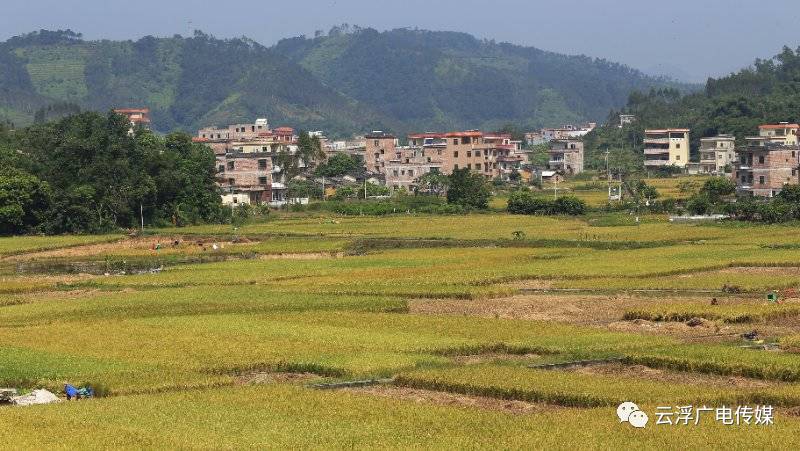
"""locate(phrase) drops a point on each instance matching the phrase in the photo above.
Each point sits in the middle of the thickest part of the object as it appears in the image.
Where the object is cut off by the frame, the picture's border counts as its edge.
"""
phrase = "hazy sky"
(689, 39)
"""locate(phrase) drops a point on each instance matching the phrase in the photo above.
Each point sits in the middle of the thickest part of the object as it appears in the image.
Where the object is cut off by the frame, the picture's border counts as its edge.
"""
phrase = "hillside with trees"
(186, 82)
(767, 92)
(346, 81)
(448, 80)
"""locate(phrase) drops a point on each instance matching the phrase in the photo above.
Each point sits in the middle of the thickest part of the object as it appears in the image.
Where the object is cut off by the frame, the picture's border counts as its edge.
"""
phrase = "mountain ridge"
(341, 82)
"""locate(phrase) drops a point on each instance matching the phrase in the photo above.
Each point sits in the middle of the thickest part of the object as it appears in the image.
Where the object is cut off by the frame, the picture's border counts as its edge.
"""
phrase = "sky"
(689, 40)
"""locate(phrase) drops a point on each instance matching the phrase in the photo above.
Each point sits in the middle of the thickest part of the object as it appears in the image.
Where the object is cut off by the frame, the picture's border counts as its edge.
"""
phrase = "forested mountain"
(442, 80)
(767, 92)
(345, 81)
(186, 82)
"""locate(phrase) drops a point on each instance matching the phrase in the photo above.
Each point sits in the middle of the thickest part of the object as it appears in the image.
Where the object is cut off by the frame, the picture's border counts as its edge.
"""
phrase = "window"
(455, 154)
(262, 180)
(230, 165)
(465, 141)
(761, 159)
(469, 154)
(794, 172)
(381, 151)
(262, 164)
(376, 143)
(677, 146)
(761, 180)
(455, 142)
(231, 181)
(411, 173)
(477, 153)
(455, 166)
(677, 157)
(395, 172)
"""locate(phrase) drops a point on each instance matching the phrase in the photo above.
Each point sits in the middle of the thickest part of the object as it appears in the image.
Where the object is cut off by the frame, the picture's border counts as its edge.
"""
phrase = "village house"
(764, 166)
(380, 147)
(626, 119)
(247, 171)
(666, 147)
(138, 117)
(491, 155)
(782, 133)
(566, 156)
(717, 154)
(235, 131)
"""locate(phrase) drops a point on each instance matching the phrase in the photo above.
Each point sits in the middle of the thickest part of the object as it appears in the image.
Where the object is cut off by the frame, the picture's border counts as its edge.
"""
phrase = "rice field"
(222, 333)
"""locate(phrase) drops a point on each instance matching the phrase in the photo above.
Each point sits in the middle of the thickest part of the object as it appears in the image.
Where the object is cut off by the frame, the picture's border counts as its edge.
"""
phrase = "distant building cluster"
(761, 167)
(493, 155)
(248, 170)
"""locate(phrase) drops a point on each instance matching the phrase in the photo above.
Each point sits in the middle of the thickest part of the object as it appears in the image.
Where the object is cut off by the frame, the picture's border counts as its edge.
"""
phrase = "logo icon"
(630, 413)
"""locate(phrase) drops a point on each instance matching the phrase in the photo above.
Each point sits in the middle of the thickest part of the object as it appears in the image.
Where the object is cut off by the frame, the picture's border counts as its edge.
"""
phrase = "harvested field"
(576, 308)
(421, 396)
(275, 378)
(673, 377)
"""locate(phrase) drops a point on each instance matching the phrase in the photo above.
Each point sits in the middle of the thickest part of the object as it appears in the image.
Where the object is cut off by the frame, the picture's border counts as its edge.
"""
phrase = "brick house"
(763, 167)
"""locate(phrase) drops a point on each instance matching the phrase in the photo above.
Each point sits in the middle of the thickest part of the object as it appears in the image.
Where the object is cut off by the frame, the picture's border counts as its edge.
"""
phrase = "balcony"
(656, 151)
(656, 140)
(657, 163)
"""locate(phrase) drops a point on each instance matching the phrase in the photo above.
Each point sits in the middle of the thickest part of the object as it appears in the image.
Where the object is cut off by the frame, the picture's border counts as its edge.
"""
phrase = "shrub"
(526, 203)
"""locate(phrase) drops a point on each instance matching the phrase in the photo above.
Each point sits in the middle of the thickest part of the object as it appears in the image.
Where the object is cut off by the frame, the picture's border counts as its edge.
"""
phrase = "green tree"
(717, 187)
(338, 165)
(432, 183)
(24, 202)
(468, 189)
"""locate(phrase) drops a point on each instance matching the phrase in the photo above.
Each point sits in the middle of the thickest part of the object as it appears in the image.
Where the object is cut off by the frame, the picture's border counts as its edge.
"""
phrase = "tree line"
(87, 174)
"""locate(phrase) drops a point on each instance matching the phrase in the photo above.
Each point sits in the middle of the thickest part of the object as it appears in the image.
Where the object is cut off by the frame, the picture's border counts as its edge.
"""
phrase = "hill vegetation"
(448, 80)
(349, 80)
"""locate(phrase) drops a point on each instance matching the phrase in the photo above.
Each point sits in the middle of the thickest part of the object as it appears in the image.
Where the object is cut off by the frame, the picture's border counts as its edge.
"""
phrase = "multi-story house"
(566, 156)
(763, 167)
(783, 133)
(138, 117)
(666, 147)
(491, 155)
(235, 131)
(717, 154)
(247, 170)
(380, 147)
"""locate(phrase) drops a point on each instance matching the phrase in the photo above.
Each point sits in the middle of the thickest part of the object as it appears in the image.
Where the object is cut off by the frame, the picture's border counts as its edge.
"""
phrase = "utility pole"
(555, 187)
(608, 175)
(323, 188)
(365, 187)
(141, 214)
